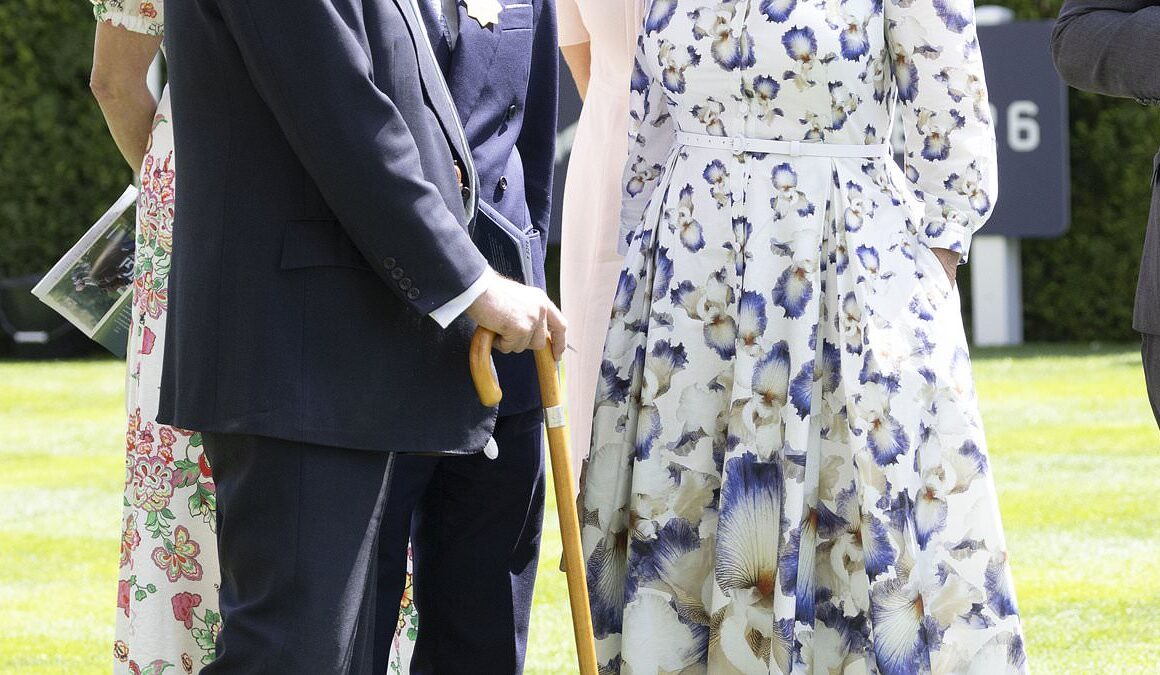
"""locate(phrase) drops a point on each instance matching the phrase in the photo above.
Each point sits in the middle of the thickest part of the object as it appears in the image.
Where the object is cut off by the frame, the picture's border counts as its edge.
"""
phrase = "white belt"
(739, 144)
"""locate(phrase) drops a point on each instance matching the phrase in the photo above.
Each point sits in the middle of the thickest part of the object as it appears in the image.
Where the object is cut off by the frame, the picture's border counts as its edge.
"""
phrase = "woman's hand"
(950, 262)
(121, 60)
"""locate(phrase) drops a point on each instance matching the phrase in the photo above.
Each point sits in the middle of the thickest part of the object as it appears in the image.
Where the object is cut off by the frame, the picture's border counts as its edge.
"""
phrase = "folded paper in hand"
(92, 285)
(512, 252)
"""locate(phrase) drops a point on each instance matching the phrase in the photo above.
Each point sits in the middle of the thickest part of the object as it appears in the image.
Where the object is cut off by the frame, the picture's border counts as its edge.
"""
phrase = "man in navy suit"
(323, 294)
(477, 519)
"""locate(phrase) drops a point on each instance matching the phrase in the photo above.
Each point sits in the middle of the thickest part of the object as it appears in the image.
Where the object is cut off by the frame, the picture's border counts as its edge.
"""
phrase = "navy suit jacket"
(504, 79)
(318, 222)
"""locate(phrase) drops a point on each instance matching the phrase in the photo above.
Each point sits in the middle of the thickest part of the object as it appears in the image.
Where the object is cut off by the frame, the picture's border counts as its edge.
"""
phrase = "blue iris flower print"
(625, 292)
(684, 224)
(640, 80)
(648, 430)
(660, 13)
(794, 289)
(715, 175)
(653, 559)
(611, 388)
(643, 174)
(855, 41)
(801, 44)
(731, 50)
(607, 571)
(751, 320)
(673, 63)
(899, 618)
(801, 390)
(750, 525)
(936, 135)
(742, 228)
(970, 451)
(905, 76)
(843, 104)
(999, 596)
(778, 10)
(955, 18)
(970, 185)
(886, 438)
(710, 113)
(774, 330)
(868, 257)
(761, 94)
(930, 514)
(797, 565)
(786, 195)
(662, 275)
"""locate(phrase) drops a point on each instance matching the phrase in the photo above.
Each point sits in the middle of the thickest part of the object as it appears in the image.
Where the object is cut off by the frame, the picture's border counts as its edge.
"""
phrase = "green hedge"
(1082, 286)
(58, 170)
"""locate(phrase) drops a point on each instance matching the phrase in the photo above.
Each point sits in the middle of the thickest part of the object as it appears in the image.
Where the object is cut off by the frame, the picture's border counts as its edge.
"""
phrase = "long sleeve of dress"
(139, 16)
(650, 139)
(950, 137)
(571, 24)
(1109, 46)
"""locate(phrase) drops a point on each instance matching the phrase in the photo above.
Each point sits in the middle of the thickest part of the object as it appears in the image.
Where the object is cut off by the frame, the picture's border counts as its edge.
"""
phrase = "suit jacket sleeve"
(537, 141)
(1109, 47)
(309, 62)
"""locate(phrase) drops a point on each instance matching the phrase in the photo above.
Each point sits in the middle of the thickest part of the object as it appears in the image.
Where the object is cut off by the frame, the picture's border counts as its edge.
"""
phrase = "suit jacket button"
(466, 192)
(397, 273)
(503, 184)
(390, 263)
(405, 283)
(512, 111)
(413, 294)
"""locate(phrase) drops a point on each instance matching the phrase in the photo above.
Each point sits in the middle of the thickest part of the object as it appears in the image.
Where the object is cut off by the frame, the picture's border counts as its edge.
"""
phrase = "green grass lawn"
(1073, 445)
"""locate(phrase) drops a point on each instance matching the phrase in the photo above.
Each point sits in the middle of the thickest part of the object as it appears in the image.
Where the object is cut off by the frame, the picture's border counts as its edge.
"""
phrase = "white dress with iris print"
(788, 469)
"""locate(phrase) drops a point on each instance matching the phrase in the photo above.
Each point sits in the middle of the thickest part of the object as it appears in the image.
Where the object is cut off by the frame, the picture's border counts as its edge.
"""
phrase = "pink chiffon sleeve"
(571, 24)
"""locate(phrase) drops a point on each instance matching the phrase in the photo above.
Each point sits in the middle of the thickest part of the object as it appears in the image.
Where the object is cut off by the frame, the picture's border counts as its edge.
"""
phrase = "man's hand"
(522, 317)
(950, 262)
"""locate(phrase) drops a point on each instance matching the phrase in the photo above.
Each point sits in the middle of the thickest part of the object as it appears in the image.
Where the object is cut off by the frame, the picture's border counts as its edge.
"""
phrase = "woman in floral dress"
(788, 469)
(167, 614)
(167, 618)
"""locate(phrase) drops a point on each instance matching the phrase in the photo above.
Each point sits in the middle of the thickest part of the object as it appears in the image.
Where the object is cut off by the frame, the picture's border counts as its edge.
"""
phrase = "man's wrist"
(454, 308)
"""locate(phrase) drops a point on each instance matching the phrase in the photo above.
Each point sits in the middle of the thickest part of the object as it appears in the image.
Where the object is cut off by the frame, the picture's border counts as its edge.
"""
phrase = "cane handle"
(483, 369)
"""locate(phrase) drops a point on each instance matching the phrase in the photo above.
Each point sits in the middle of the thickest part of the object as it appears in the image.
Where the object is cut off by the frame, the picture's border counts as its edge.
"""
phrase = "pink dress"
(590, 265)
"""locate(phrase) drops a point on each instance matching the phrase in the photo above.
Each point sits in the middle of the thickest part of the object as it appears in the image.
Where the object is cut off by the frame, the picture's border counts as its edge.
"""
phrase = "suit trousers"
(1151, 353)
(474, 524)
(298, 529)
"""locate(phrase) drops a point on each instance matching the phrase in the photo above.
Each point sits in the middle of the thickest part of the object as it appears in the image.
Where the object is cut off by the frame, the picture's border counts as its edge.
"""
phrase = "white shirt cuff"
(451, 311)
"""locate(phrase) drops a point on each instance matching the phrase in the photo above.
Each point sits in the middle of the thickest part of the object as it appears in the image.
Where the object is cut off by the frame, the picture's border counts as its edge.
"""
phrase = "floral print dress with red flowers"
(167, 610)
(168, 618)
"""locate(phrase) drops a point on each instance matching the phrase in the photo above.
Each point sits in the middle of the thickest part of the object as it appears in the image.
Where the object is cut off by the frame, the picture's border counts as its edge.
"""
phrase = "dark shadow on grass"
(1055, 350)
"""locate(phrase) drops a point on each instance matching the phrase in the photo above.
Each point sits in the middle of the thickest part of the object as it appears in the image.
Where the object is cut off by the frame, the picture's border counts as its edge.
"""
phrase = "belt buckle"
(795, 148)
(737, 144)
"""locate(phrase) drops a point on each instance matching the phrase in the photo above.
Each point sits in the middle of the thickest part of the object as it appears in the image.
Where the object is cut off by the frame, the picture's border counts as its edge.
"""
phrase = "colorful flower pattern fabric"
(167, 618)
(788, 470)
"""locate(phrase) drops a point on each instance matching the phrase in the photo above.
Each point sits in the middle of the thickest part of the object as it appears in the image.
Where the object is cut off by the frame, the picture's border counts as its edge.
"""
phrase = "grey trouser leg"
(1151, 352)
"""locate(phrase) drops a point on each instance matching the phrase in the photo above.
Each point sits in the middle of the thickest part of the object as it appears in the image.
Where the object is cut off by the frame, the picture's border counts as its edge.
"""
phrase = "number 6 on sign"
(1023, 133)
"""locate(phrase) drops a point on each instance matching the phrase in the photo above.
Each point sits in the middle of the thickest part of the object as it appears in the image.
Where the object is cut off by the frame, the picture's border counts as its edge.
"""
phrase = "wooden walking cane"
(555, 416)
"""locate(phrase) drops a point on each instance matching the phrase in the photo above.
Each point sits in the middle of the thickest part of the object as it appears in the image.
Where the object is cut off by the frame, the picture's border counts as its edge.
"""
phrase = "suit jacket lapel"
(471, 61)
(431, 76)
